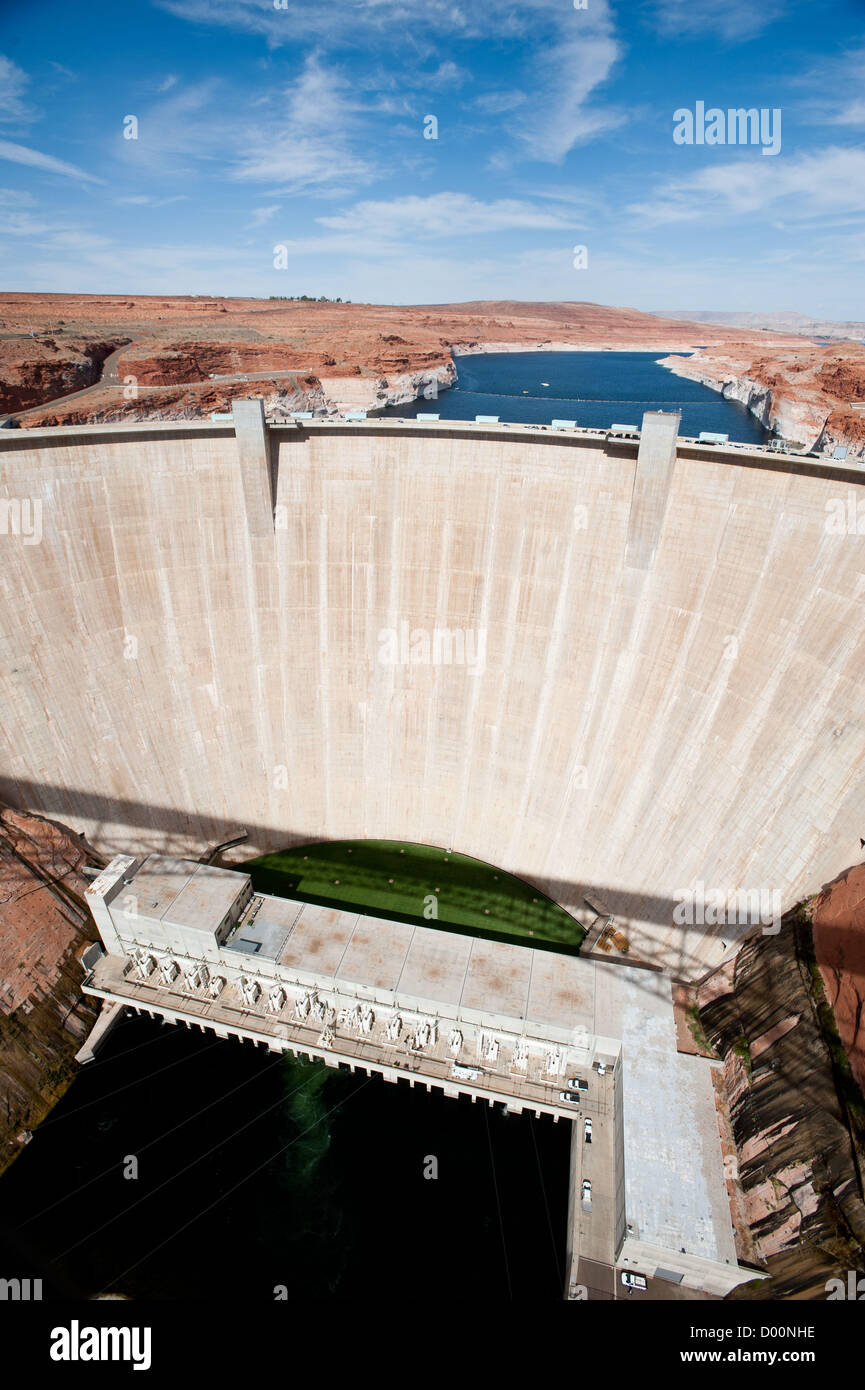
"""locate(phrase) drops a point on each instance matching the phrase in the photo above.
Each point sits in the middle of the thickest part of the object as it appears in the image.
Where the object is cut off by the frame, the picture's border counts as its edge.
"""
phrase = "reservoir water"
(597, 389)
(256, 1172)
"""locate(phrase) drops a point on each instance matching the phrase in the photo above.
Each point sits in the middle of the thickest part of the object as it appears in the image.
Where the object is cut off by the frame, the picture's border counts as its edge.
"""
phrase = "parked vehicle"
(587, 1130)
(569, 1098)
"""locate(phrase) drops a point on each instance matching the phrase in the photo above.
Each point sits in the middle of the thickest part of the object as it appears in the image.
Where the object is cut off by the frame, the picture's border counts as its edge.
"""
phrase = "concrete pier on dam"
(623, 669)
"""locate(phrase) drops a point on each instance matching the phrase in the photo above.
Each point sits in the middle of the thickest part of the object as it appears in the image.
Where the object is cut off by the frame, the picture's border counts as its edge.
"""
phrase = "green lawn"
(386, 878)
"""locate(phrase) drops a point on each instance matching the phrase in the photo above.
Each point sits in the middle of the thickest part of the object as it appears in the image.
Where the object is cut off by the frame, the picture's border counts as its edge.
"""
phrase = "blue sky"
(303, 126)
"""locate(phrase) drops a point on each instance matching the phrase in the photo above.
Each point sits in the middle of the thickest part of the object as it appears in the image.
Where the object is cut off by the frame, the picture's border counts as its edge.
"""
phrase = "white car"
(568, 1098)
(602, 1070)
(633, 1281)
(587, 1195)
(587, 1130)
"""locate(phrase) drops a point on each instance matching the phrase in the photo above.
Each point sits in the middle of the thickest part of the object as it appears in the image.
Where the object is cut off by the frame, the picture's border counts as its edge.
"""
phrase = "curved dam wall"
(662, 661)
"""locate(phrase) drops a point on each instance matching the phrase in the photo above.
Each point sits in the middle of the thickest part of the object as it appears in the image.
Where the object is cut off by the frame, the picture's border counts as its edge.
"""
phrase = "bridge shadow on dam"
(165, 830)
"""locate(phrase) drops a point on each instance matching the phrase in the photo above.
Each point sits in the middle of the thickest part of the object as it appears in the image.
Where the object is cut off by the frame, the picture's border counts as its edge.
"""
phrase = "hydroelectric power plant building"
(194, 944)
(668, 704)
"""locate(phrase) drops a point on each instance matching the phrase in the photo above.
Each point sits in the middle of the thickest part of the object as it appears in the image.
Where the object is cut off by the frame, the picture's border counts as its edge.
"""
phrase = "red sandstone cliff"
(44, 925)
(797, 1117)
(839, 944)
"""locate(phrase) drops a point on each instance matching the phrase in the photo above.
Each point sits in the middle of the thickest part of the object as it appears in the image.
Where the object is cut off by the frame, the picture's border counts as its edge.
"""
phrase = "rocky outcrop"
(44, 925)
(839, 945)
(184, 363)
(105, 405)
(180, 364)
(806, 396)
(795, 1115)
(33, 370)
(398, 388)
(845, 427)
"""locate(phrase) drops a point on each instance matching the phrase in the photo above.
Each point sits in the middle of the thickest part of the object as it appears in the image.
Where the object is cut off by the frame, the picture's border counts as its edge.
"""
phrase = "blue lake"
(594, 388)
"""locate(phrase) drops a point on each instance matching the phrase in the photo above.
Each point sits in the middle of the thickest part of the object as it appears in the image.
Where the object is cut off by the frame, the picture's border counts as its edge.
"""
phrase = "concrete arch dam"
(619, 669)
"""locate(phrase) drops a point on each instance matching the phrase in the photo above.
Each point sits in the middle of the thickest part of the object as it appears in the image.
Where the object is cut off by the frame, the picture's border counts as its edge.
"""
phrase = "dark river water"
(594, 388)
(256, 1172)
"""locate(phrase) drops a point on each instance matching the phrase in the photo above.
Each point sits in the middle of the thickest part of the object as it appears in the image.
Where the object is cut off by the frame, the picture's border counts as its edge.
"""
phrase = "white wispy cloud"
(16, 197)
(833, 89)
(338, 21)
(496, 103)
(562, 107)
(568, 116)
(850, 113)
(447, 74)
(829, 181)
(443, 215)
(148, 200)
(78, 240)
(262, 215)
(20, 218)
(179, 131)
(732, 20)
(22, 154)
(307, 135)
(14, 82)
(311, 140)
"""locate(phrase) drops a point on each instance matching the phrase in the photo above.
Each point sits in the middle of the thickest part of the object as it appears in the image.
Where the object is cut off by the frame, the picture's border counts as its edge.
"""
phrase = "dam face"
(618, 672)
